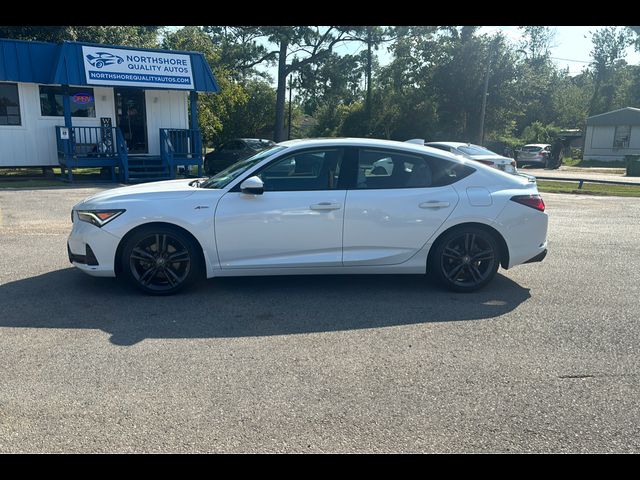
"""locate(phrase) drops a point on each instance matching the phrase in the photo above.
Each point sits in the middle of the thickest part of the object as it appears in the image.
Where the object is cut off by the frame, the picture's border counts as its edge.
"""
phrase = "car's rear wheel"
(466, 259)
(160, 260)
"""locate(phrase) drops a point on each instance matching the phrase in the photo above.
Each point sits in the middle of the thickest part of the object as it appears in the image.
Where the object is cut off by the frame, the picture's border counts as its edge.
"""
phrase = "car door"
(391, 213)
(296, 222)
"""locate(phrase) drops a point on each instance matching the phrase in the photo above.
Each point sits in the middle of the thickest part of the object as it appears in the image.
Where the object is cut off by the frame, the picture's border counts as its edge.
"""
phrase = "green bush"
(576, 153)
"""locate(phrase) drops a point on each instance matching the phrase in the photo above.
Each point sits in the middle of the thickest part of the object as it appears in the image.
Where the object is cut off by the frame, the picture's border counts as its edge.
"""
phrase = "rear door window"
(379, 169)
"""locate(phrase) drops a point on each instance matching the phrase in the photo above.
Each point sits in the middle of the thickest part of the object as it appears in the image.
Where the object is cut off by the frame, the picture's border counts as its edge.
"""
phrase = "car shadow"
(246, 306)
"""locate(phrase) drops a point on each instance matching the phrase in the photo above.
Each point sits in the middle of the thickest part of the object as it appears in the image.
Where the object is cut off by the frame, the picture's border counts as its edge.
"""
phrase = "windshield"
(475, 150)
(226, 176)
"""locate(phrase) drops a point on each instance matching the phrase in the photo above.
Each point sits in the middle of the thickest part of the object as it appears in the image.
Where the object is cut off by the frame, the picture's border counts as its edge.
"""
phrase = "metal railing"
(582, 181)
(181, 147)
(91, 147)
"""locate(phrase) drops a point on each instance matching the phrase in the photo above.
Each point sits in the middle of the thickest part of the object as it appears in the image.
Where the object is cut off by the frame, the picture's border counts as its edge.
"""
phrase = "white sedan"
(477, 153)
(315, 207)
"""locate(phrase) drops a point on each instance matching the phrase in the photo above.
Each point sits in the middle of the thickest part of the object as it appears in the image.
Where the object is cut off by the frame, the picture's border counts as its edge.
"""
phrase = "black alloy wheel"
(160, 261)
(466, 259)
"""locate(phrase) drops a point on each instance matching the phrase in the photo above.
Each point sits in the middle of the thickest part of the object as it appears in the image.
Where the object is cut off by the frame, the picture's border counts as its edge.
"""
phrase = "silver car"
(535, 154)
(477, 153)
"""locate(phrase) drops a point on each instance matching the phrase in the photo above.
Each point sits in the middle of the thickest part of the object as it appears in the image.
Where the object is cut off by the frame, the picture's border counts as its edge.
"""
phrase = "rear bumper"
(524, 230)
(537, 161)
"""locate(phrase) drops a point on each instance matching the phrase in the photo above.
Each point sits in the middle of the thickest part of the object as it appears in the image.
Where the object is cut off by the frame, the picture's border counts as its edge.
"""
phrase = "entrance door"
(131, 118)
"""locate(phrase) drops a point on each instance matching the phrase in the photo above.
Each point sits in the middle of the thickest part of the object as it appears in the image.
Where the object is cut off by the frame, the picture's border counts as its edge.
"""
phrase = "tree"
(238, 109)
(135, 36)
(609, 45)
(636, 37)
(570, 102)
(537, 43)
(372, 37)
(540, 133)
(313, 43)
(336, 80)
(240, 50)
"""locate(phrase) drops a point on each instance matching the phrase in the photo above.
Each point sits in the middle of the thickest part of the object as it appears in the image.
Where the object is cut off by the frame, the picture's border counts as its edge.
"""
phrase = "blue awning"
(64, 64)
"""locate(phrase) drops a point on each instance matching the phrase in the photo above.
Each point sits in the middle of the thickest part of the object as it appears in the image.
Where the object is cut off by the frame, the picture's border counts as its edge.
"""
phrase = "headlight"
(98, 217)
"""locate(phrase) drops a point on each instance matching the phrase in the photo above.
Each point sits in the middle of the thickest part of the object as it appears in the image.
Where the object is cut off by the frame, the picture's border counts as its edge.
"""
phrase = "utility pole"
(485, 94)
(290, 90)
(367, 101)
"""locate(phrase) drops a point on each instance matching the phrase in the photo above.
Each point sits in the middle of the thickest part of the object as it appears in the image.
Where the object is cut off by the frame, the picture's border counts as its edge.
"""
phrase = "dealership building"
(130, 111)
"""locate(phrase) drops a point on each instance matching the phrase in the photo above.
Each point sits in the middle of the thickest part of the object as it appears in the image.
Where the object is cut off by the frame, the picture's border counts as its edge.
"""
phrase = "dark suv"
(233, 151)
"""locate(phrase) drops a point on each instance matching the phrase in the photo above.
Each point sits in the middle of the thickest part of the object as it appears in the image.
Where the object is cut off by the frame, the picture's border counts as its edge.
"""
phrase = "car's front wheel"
(160, 260)
(466, 259)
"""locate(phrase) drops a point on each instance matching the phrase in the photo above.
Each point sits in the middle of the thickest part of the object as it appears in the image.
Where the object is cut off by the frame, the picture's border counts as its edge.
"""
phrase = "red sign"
(81, 98)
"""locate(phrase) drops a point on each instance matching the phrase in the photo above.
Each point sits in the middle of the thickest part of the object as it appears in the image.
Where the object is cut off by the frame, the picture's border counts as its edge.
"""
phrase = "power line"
(569, 60)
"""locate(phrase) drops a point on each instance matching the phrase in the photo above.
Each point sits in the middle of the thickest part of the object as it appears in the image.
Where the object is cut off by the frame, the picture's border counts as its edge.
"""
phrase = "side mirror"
(252, 186)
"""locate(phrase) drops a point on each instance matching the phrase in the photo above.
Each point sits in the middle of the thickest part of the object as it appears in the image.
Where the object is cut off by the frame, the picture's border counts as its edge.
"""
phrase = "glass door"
(131, 118)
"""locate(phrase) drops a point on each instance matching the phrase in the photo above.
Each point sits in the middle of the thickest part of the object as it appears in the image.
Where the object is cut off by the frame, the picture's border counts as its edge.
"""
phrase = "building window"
(9, 104)
(621, 137)
(81, 99)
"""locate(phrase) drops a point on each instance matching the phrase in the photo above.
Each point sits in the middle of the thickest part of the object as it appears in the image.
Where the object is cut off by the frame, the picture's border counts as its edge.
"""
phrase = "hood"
(170, 189)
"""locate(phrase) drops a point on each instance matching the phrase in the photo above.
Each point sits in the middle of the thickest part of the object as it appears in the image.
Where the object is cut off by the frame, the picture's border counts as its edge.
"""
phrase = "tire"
(558, 164)
(465, 259)
(146, 256)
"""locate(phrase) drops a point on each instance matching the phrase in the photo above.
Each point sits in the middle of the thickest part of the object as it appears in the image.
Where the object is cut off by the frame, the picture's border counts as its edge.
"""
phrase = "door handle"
(434, 204)
(325, 206)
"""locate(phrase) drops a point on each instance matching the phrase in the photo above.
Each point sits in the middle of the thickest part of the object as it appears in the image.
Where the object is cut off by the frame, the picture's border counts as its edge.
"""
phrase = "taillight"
(533, 201)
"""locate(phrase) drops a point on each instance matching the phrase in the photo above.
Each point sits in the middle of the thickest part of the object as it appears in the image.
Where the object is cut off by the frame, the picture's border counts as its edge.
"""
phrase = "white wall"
(598, 143)
(165, 109)
(634, 141)
(34, 144)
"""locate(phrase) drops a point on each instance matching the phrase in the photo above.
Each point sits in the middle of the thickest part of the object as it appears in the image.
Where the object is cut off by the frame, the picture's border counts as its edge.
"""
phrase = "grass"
(589, 188)
(33, 183)
(578, 162)
(34, 178)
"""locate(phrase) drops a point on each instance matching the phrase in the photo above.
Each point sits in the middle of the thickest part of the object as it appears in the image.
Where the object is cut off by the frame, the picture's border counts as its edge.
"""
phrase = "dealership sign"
(116, 66)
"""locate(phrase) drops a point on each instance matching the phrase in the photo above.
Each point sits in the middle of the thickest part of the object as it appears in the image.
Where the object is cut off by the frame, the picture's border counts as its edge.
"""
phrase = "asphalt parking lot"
(545, 359)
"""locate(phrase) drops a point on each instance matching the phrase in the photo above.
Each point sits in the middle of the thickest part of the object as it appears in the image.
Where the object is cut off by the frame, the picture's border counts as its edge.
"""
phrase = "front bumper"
(92, 249)
(538, 258)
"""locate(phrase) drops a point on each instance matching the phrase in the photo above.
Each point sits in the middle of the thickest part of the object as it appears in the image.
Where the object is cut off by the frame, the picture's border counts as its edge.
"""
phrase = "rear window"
(446, 172)
(531, 149)
(439, 147)
(475, 150)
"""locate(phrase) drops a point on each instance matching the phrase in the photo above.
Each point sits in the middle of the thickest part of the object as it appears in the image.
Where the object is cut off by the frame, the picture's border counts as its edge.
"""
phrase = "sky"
(572, 46)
